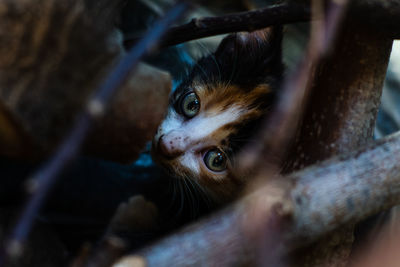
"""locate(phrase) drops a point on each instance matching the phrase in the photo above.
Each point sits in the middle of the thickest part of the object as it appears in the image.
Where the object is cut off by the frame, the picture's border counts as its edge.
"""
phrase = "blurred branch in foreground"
(337, 187)
(280, 127)
(46, 177)
(310, 203)
(340, 116)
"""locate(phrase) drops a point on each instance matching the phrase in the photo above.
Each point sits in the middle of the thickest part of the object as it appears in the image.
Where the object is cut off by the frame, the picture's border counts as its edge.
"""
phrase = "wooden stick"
(245, 21)
(46, 176)
(309, 203)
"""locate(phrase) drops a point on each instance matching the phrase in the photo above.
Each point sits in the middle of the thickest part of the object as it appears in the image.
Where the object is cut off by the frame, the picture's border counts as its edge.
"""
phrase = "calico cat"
(217, 108)
(212, 114)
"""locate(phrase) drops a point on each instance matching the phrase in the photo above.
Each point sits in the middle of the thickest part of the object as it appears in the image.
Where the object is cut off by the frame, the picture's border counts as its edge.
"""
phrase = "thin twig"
(45, 177)
(245, 21)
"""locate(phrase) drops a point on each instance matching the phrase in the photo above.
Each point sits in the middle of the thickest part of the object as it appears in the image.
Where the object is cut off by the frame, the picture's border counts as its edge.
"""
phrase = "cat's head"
(217, 108)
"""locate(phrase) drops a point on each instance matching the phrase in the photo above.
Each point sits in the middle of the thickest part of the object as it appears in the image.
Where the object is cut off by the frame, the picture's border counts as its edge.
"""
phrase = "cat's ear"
(259, 50)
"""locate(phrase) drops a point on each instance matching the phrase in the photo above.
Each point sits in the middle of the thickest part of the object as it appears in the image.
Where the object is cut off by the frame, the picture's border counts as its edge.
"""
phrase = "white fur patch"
(190, 161)
(172, 122)
(194, 132)
(202, 126)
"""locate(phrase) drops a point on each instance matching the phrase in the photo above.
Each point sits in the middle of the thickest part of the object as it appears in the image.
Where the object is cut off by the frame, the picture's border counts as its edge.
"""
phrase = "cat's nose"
(170, 145)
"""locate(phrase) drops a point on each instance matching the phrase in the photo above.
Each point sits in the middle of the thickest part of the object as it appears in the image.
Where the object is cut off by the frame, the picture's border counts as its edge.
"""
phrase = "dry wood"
(133, 116)
(310, 203)
(360, 119)
(54, 66)
(340, 118)
(244, 21)
(14, 141)
(50, 64)
(280, 127)
(307, 204)
(382, 15)
(45, 177)
(345, 97)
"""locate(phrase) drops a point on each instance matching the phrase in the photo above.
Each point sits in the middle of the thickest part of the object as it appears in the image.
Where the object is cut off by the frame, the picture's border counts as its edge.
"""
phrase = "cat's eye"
(190, 105)
(215, 160)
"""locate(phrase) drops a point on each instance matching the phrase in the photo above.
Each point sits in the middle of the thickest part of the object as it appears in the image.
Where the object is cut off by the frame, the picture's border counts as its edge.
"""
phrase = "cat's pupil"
(215, 160)
(219, 159)
(190, 105)
(193, 105)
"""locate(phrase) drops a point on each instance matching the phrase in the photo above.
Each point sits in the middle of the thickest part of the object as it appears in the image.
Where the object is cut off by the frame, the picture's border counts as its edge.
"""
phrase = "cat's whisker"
(196, 193)
(170, 208)
(191, 198)
(200, 192)
(233, 71)
(181, 196)
(184, 195)
(206, 77)
(173, 200)
(185, 190)
(203, 194)
(213, 58)
(213, 112)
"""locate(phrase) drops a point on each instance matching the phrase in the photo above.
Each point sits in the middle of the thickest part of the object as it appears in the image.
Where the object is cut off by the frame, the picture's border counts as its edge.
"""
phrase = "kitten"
(212, 114)
(216, 109)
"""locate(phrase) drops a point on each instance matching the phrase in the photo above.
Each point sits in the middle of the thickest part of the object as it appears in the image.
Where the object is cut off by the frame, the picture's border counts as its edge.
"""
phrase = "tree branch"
(347, 122)
(381, 15)
(245, 21)
(340, 117)
(345, 189)
(310, 203)
(46, 177)
(336, 205)
(280, 126)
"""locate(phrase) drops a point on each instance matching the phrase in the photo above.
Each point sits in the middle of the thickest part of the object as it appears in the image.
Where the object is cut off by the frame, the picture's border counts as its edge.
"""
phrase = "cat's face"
(214, 112)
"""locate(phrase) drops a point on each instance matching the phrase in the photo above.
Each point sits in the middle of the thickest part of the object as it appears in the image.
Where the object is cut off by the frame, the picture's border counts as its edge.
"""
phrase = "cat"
(212, 114)
(216, 109)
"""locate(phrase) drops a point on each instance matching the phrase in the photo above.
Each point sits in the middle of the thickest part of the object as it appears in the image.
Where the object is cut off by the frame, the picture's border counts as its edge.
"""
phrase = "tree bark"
(51, 66)
(381, 15)
(236, 22)
(340, 118)
(132, 117)
(345, 97)
(309, 204)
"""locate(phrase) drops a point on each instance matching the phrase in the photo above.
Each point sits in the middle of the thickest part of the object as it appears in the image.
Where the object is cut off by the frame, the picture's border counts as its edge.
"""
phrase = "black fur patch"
(244, 60)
